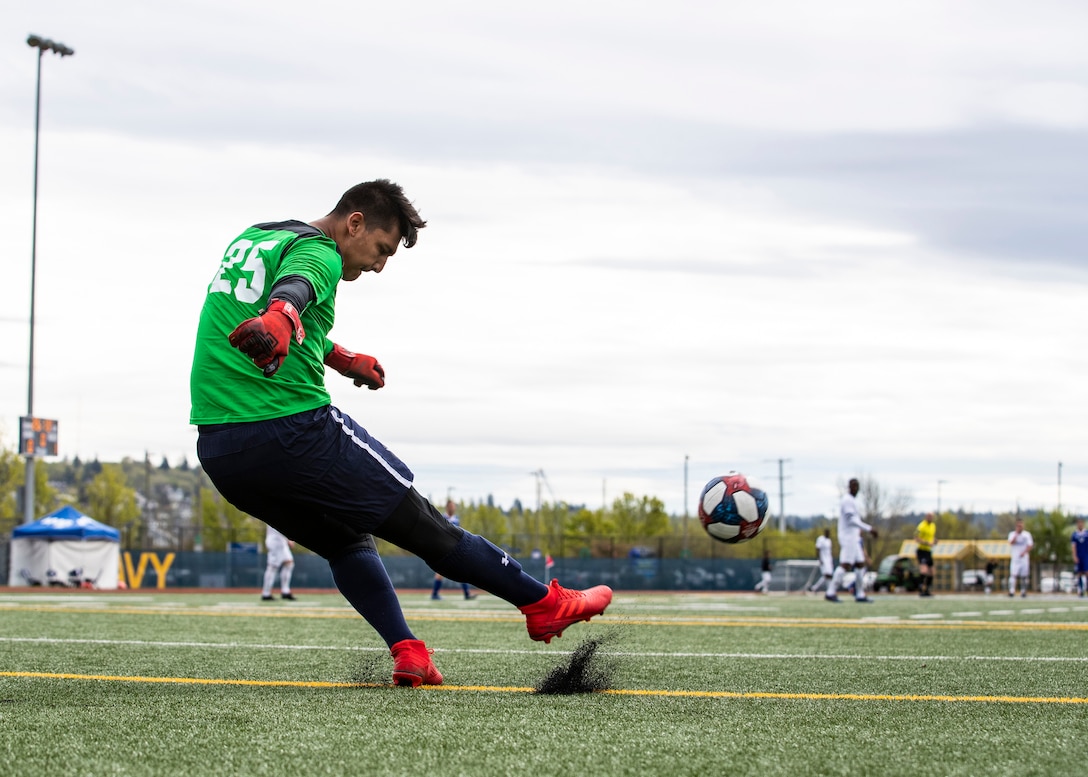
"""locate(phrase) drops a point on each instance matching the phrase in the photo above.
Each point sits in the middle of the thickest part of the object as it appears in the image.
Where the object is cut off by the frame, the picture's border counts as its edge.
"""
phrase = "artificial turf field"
(135, 683)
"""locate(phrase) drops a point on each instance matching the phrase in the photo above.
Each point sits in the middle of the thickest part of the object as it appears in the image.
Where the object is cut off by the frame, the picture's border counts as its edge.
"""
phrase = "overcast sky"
(850, 236)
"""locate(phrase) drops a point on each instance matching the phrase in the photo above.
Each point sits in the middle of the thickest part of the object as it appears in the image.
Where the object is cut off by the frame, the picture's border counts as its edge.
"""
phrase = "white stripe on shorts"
(377, 456)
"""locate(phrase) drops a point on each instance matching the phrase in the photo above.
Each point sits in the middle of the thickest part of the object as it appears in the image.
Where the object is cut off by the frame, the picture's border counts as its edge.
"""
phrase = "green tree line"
(122, 495)
(117, 494)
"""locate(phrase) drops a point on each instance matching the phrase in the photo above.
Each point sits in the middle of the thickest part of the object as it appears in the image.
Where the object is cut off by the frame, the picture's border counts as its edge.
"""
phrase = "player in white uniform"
(764, 583)
(851, 551)
(1020, 545)
(280, 560)
(827, 563)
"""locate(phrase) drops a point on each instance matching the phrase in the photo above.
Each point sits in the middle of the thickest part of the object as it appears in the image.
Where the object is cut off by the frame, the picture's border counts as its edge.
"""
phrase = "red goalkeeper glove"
(266, 338)
(357, 366)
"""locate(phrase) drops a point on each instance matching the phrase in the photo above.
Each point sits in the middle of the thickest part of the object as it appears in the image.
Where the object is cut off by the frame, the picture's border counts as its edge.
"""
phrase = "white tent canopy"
(65, 548)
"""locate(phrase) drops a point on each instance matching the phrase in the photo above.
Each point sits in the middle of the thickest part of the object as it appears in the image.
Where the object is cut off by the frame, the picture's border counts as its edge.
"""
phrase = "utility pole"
(150, 519)
(1059, 488)
(539, 475)
(541, 481)
(781, 494)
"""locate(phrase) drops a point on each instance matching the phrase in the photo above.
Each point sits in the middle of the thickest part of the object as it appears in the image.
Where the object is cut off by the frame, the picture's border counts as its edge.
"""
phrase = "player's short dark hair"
(384, 205)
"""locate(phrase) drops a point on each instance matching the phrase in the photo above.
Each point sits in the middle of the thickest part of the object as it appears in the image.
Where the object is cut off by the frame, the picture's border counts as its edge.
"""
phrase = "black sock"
(362, 579)
(479, 563)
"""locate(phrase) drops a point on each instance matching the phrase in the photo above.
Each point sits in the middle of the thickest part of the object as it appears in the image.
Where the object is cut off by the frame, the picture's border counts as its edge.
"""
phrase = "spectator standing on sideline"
(451, 516)
(1021, 543)
(852, 553)
(281, 561)
(926, 537)
(765, 566)
(274, 446)
(826, 559)
(1080, 557)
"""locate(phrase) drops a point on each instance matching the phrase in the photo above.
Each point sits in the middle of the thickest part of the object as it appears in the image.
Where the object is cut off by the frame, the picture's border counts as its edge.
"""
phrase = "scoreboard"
(37, 436)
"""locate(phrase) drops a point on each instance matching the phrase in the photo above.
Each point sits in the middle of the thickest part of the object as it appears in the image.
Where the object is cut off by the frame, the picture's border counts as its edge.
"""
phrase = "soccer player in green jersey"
(276, 448)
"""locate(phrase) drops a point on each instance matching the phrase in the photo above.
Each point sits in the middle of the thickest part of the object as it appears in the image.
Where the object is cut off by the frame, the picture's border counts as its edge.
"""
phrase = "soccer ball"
(733, 510)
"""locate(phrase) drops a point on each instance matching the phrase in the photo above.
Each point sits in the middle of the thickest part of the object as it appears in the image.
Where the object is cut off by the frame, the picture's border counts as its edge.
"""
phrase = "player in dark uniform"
(1080, 557)
(276, 448)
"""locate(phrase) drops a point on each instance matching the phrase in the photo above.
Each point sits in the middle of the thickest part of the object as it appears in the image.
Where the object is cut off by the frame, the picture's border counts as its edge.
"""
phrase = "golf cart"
(897, 572)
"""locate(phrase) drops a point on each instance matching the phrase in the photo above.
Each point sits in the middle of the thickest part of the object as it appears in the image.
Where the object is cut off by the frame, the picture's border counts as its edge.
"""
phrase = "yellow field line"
(293, 612)
(816, 623)
(484, 617)
(515, 689)
(188, 680)
(857, 696)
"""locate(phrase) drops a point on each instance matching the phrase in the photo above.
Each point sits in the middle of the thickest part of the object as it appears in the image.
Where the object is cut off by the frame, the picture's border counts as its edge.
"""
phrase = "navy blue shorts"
(317, 476)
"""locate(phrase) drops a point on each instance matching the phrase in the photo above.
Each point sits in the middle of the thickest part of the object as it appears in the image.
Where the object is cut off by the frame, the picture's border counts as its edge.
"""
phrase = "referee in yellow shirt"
(926, 537)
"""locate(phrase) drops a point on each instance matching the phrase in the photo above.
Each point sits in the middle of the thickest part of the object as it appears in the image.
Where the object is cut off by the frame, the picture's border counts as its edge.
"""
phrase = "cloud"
(848, 235)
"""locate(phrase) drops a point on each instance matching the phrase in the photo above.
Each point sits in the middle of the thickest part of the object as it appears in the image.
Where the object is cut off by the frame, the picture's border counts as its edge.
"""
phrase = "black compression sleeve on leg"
(417, 527)
(479, 563)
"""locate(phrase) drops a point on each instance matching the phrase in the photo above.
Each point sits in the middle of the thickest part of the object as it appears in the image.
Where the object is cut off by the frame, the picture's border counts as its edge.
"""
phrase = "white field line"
(546, 653)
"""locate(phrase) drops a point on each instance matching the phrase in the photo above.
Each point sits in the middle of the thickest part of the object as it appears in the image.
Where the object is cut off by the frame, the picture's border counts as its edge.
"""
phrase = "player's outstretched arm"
(266, 338)
(362, 369)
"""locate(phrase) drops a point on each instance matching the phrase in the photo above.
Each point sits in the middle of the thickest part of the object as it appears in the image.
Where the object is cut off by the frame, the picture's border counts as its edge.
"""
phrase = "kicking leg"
(457, 554)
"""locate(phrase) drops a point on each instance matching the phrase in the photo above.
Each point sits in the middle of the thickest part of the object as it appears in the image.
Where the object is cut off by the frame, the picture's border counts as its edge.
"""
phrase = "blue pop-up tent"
(65, 547)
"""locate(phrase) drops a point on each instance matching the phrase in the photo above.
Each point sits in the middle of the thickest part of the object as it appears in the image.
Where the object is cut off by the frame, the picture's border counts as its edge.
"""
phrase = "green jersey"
(225, 385)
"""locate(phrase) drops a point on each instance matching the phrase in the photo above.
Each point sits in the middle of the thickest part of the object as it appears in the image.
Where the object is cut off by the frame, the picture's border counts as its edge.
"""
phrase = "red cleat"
(561, 607)
(412, 664)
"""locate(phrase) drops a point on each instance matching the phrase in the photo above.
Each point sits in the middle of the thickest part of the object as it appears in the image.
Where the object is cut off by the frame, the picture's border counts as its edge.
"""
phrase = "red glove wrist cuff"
(287, 309)
(339, 358)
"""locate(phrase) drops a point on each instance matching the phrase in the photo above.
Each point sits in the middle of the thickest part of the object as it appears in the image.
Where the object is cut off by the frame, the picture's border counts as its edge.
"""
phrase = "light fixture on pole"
(42, 45)
(939, 484)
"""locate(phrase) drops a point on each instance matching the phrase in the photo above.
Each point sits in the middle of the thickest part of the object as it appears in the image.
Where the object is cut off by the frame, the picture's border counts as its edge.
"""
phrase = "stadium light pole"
(939, 484)
(42, 45)
(685, 503)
